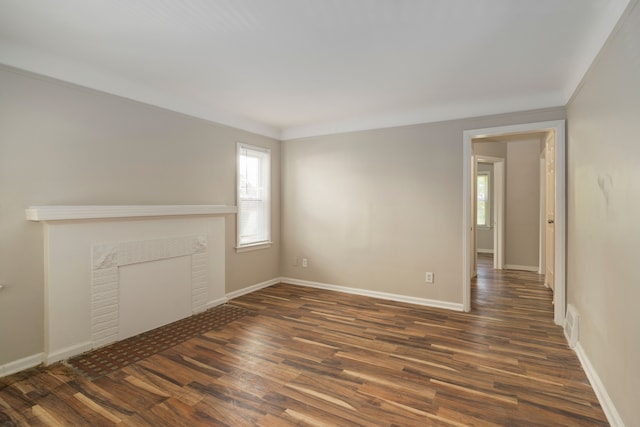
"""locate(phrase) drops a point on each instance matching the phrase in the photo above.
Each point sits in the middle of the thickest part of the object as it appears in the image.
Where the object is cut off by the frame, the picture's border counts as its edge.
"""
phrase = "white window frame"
(263, 238)
(487, 206)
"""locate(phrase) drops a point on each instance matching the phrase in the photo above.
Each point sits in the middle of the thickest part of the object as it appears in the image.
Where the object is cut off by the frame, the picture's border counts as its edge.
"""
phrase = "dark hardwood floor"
(320, 358)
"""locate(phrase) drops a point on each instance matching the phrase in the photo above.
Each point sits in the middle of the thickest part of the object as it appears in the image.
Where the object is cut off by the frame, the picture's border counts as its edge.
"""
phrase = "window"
(483, 205)
(254, 193)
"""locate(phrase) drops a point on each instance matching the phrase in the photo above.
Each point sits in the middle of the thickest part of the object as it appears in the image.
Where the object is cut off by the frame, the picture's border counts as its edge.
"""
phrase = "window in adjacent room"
(483, 204)
(253, 180)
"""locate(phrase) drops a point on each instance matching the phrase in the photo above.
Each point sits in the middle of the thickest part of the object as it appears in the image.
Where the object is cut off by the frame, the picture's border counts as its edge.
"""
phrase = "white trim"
(22, 61)
(498, 212)
(375, 294)
(263, 216)
(484, 251)
(253, 247)
(62, 213)
(598, 387)
(355, 291)
(252, 288)
(432, 114)
(67, 352)
(21, 364)
(473, 203)
(521, 267)
(216, 302)
(19, 59)
(558, 127)
(467, 225)
(560, 222)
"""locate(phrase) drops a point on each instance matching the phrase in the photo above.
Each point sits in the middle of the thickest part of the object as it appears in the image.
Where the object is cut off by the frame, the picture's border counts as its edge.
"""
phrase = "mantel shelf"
(67, 213)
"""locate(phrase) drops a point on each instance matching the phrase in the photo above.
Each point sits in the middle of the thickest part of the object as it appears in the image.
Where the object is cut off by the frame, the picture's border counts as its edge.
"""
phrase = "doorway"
(555, 207)
(489, 233)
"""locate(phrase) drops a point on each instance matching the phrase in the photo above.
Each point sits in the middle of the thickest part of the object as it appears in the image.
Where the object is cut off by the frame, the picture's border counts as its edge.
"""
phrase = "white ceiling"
(293, 68)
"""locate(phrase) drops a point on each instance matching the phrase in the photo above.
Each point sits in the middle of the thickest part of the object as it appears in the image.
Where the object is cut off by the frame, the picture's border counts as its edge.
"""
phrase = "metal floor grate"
(107, 359)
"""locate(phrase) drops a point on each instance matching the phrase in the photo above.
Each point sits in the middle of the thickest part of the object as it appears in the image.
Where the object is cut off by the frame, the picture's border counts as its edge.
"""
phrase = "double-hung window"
(483, 206)
(254, 193)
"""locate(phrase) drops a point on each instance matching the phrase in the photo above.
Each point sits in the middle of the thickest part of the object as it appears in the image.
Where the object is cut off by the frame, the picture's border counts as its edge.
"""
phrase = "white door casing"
(550, 177)
(558, 129)
(474, 214)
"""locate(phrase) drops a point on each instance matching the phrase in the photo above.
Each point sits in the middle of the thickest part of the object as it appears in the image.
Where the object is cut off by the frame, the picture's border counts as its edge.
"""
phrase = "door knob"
(550, 221)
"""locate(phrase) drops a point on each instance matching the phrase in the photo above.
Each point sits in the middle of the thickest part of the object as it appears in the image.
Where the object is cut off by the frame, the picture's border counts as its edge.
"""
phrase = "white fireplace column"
(115, 271)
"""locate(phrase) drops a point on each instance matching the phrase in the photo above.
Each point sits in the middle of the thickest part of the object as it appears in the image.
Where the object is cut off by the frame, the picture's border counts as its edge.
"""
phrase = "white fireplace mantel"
(115, 271)
(73, 212)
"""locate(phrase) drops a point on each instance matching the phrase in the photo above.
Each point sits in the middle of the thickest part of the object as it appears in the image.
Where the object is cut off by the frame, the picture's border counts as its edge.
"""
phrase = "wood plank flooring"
(310, 357)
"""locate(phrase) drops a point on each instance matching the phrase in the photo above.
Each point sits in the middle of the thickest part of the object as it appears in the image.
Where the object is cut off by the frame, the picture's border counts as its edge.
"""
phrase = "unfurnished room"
(319, 213)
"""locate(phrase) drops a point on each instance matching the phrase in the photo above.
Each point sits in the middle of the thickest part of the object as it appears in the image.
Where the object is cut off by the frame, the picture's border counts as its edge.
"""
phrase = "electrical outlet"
(304, 263)
(428, 277)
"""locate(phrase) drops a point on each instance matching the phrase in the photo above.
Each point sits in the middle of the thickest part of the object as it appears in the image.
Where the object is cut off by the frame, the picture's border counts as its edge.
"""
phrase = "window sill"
(253, 247)
(484, 227)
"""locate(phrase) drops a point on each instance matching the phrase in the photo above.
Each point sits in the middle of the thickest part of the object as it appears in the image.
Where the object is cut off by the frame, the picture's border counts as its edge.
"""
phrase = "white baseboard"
(521, 267)
(216, 302)
(252, 288)
(67, 352)
(21, 364)
(601, 392)
(375, 294)
(484, 251)
(356, 291)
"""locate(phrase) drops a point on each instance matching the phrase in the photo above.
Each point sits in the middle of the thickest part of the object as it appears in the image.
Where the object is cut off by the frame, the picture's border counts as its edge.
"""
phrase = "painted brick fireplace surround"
(116, 271)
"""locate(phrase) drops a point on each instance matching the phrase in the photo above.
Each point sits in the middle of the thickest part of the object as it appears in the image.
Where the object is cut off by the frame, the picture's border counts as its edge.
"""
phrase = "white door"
(473, 256)
(550, 208)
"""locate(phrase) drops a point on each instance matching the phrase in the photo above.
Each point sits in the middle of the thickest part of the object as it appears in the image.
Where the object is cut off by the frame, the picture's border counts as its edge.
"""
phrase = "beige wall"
(522, 197)
(490, 148)
(373, 210)
(60, 144)
(522, 203)
(377, 209)
(603, 278)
